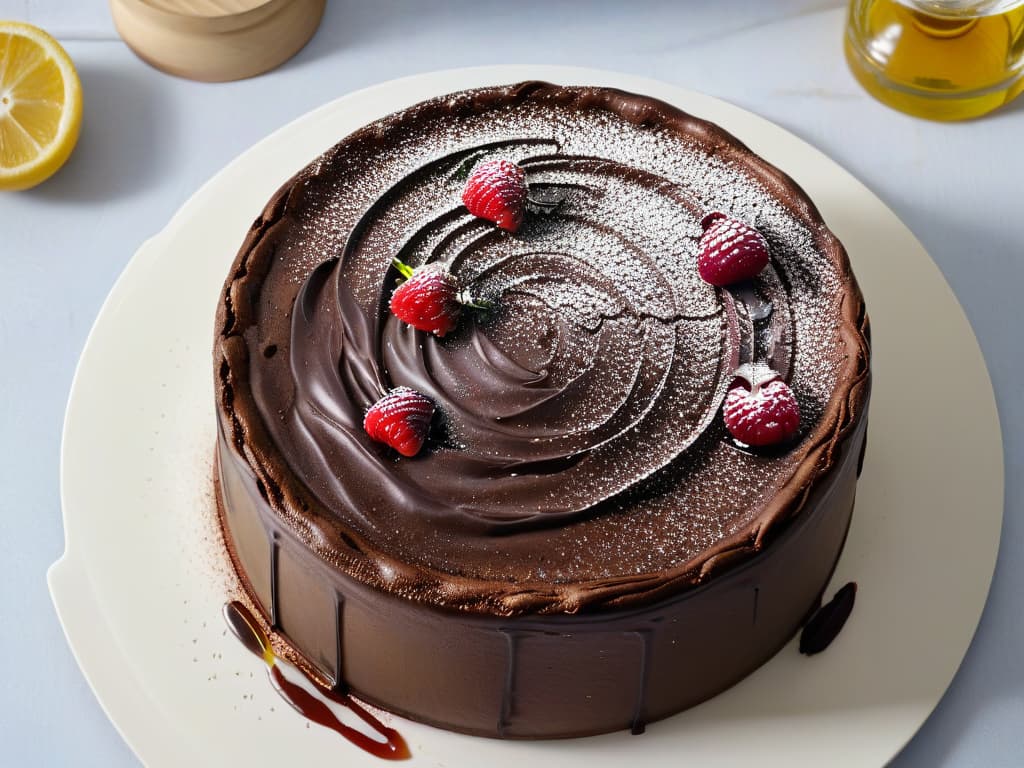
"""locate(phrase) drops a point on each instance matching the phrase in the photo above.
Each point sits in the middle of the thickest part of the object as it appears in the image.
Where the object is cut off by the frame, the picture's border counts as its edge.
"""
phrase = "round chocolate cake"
(584, 542)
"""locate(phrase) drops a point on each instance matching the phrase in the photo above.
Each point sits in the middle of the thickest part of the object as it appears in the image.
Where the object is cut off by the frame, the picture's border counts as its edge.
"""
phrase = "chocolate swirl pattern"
(579, 456)
(605, 360)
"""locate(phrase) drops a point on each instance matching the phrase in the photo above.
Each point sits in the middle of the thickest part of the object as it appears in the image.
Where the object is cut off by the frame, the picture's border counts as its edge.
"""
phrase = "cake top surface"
(578, 458)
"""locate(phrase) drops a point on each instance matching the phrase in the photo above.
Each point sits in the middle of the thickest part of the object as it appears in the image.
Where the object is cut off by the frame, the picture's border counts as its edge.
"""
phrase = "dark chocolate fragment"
(827, 621)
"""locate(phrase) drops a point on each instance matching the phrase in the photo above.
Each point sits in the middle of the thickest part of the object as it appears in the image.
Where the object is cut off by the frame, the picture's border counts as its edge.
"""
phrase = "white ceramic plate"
(140, 586)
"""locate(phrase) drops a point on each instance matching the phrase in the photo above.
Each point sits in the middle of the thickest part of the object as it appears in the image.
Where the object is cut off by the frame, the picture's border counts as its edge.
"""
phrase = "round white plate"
(140, 586)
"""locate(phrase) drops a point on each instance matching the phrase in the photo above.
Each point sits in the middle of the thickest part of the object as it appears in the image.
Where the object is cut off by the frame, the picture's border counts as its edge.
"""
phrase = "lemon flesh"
(40, 105)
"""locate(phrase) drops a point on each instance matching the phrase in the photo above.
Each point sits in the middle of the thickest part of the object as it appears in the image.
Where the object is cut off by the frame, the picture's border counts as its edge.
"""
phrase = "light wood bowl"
(216, 40)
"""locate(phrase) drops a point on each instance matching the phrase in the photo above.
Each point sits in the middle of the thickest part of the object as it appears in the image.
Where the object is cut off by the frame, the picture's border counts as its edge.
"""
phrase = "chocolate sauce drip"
(509, 688)
(639, 724)
(311, 705)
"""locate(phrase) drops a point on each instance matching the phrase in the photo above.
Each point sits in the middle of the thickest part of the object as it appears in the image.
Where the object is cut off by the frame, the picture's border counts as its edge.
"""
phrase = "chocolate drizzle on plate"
(309, 700)
(826, 623)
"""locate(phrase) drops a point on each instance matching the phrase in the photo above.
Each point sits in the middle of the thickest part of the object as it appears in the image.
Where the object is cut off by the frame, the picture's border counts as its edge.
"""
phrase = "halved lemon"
(40, 105)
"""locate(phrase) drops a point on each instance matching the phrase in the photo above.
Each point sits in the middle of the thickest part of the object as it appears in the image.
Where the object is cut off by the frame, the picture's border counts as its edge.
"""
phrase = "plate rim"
(69, 573)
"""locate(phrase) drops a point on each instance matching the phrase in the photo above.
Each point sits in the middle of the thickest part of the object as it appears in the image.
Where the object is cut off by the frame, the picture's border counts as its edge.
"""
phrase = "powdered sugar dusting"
(599, 299)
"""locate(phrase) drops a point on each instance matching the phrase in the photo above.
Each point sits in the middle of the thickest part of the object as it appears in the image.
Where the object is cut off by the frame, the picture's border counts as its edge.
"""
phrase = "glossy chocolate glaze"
(580, 465)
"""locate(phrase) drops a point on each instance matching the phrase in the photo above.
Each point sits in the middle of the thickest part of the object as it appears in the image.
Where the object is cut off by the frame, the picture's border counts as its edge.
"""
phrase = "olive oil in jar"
(938, 59)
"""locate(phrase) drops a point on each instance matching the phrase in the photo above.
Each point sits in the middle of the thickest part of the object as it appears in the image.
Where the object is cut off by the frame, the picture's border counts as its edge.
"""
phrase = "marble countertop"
(149, 140)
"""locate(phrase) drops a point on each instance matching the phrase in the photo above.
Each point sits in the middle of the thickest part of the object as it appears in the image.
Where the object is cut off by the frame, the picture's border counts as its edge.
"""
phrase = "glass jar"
(939, 59)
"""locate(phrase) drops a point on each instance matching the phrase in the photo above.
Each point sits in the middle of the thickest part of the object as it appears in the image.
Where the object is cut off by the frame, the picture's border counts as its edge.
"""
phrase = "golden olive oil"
(939, 59)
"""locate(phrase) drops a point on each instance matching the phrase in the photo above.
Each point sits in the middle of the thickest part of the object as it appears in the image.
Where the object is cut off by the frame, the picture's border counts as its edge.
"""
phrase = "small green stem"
(466, 300)
(404, 269)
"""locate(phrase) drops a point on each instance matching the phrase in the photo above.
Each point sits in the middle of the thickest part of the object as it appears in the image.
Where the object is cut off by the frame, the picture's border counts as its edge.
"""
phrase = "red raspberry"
(496, 191)
(760, 409)
(428, 300)
(729, 250)
(400, 419)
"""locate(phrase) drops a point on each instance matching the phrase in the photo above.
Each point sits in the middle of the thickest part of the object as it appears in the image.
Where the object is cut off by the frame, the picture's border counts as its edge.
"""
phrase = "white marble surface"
(149, 140)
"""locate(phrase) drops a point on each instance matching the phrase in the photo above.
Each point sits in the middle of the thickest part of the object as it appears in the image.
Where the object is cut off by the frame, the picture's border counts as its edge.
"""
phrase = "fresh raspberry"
(496, 191)
(729, 250)
(760, 409)
(400, 419)
(429, 300)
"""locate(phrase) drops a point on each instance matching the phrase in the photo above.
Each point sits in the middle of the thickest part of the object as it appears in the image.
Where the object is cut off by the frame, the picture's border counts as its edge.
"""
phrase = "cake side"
(537, 676)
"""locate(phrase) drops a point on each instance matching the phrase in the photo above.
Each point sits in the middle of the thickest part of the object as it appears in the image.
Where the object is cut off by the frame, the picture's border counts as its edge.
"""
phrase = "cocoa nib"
(827, 621)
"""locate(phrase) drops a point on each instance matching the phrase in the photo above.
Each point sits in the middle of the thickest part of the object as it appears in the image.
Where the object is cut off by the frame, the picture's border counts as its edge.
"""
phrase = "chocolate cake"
(581, 545)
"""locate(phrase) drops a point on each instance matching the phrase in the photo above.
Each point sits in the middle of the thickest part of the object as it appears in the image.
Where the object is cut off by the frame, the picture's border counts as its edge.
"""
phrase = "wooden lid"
(216, 40)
